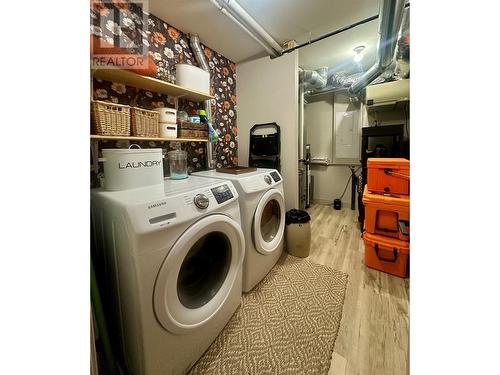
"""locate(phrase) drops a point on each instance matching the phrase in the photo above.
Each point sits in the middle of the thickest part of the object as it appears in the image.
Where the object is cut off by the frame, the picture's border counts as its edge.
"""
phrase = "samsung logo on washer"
(140, 164)
(159, 204)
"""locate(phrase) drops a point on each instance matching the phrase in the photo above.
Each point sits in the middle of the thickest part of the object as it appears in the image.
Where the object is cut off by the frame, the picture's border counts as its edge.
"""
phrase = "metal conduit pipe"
(240, 16)
(301, 123)
(194, 42)
(391, 14)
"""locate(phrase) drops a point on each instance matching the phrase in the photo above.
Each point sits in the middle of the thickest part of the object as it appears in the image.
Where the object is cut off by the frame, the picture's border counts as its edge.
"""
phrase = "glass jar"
(177, 160)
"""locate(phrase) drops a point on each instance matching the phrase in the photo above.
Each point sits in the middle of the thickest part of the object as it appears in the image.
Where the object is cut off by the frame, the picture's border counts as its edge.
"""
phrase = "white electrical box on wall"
(333, 129)
(346, 132)
(346, 135)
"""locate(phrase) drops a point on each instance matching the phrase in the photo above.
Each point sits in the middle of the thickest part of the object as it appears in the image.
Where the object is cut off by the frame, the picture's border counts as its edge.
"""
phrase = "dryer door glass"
(270, 220)
(204, 270)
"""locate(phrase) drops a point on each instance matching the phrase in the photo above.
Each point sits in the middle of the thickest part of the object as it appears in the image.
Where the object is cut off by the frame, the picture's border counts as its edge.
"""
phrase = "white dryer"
(262, 206)
(173, 256)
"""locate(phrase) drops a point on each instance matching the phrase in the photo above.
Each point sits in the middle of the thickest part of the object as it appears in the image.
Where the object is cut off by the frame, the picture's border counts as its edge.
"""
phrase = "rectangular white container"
(192, 77)
(167, 114)
(168, 130)
(132, 168)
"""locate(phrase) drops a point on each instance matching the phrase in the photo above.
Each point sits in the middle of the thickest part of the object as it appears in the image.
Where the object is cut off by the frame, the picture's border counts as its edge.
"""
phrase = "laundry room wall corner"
(268, 92)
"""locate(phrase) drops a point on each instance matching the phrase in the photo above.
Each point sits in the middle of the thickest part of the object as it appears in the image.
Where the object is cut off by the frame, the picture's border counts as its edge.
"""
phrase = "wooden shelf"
(150, 84)
(388, 107)
(130, 138)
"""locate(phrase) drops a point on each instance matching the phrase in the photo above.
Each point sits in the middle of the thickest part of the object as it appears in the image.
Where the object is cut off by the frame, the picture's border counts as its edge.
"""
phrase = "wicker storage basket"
(186, 129)
(144, 122)
(192, 125)
(195, 134)
(110, 118)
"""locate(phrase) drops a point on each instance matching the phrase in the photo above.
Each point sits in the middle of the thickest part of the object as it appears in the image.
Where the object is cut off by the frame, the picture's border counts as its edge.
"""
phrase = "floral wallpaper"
(167, 45)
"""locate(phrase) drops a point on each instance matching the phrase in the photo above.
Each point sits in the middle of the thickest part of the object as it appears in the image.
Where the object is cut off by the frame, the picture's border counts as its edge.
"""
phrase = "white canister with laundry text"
(132, 168)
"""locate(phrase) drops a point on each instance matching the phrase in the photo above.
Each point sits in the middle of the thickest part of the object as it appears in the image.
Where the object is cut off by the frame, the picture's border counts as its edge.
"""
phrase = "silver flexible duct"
(194, 42)
(313, 79)
(403, 52)
(391, 14)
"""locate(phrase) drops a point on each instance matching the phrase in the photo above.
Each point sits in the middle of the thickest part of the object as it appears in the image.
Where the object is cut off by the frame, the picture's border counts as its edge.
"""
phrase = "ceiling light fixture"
(358, 53)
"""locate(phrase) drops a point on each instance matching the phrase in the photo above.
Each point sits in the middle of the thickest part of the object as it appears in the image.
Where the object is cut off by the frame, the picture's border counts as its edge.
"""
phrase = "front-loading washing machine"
(262, 205)
(173, 258)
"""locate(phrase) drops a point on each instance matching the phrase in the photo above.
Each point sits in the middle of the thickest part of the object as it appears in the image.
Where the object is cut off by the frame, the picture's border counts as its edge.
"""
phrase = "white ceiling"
(307, 19)
(337, 53)
(215, 29)
(284, 20)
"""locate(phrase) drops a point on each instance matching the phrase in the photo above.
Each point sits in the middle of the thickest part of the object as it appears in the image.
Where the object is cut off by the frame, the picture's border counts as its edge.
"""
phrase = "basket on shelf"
(187, 129)
(110, 118)
(144, 122)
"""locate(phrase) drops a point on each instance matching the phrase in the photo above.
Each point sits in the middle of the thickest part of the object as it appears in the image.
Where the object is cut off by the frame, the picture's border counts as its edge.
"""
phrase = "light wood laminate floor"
(373, 336)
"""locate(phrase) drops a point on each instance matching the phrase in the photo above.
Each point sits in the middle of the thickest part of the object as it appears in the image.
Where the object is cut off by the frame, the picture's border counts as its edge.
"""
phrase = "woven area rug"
(287, 324)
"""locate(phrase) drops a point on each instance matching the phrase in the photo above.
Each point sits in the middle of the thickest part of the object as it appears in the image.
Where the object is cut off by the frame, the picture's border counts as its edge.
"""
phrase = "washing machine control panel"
(201, 201)
(222, 193)
(276, 176)
(174, 208)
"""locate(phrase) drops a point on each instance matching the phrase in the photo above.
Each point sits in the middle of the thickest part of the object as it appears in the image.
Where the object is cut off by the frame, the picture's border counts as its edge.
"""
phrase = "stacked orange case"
(386, 254)
(387, 215)
(389, 175)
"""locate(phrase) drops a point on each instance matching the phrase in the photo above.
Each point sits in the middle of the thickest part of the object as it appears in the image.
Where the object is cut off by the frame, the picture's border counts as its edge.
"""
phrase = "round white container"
(168, 130)
(167, 114)
(132, 168)
(192, 77)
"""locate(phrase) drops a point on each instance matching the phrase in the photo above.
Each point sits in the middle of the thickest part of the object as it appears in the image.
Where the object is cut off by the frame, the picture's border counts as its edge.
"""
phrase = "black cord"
(347, 184)
(341, 30)
(406, 123)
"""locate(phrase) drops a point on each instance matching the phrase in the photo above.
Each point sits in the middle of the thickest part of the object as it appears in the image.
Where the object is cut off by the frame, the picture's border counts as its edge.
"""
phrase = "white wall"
(267, 91)
(318, 114)
(319, 117)
(329, 182)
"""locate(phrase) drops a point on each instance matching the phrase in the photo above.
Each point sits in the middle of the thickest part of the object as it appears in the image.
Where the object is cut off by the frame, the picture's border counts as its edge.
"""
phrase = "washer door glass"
(269, 222)
(204, 270)
(199, 272)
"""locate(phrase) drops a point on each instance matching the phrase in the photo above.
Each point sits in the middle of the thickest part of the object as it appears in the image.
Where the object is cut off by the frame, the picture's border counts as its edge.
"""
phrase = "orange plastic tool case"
(386, 254)
(389, 175)
(388, 215)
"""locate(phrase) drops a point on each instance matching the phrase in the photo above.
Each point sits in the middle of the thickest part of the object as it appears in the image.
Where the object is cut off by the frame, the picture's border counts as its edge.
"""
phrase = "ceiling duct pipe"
(313, 79)
(403, 50)
(194, 42)
(244, 20)
(391, 14)
(199, 55)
